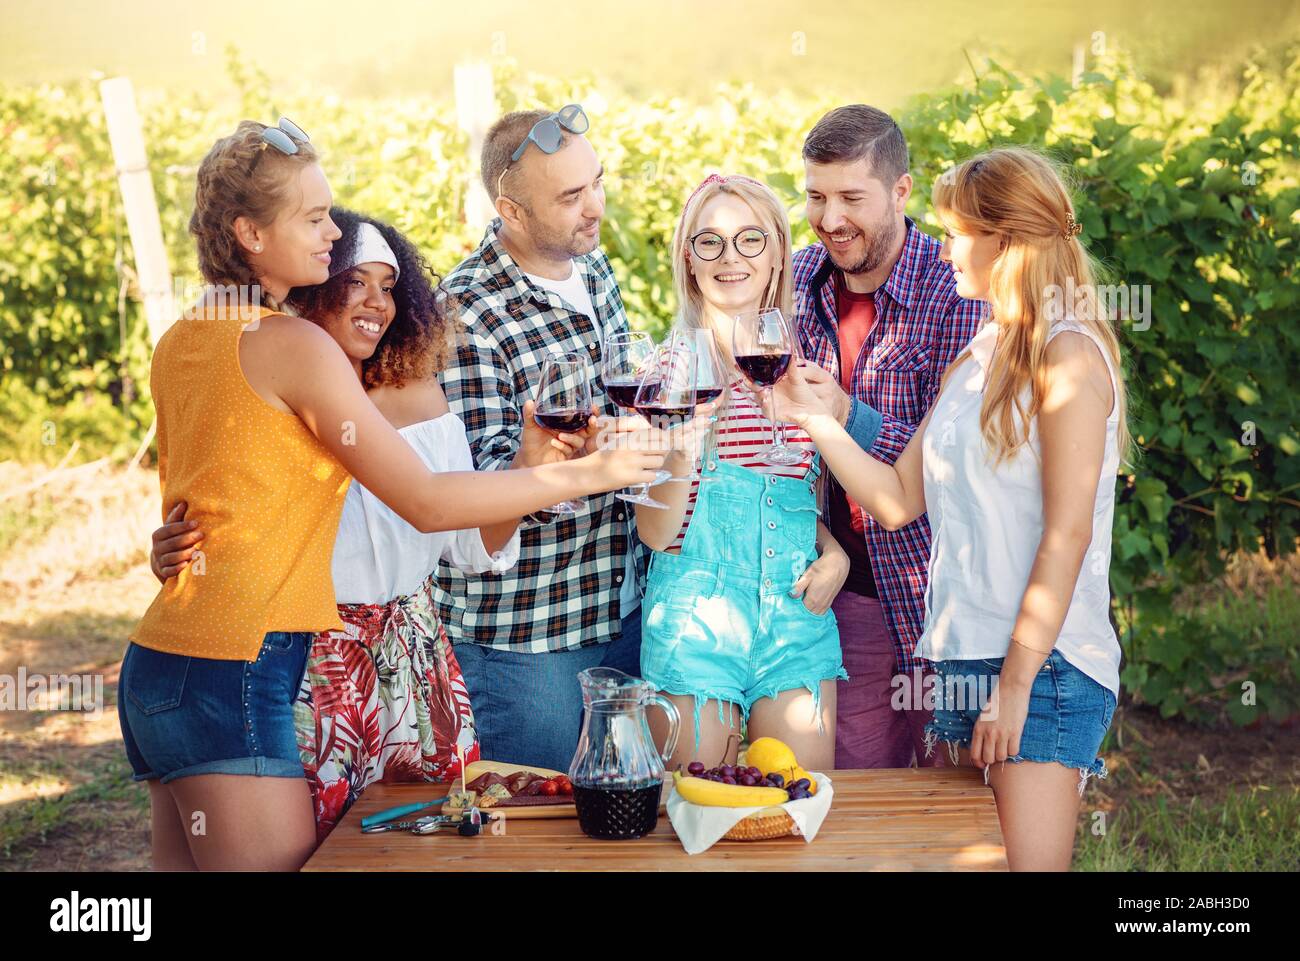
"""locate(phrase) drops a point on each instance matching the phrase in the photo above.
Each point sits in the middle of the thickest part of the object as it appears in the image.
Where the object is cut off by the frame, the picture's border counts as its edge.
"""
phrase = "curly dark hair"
(419, 341)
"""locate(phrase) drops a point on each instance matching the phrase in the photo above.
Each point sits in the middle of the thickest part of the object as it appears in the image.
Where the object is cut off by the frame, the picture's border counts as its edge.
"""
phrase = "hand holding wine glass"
(539, 445)
(563, 405)
(807, 390)
(627, 358)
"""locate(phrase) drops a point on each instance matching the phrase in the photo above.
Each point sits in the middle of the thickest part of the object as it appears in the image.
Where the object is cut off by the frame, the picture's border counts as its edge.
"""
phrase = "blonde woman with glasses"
(736, 621)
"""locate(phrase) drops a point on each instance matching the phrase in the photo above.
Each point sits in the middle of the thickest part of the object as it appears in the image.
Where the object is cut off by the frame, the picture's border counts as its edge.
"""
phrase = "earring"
(257, 249)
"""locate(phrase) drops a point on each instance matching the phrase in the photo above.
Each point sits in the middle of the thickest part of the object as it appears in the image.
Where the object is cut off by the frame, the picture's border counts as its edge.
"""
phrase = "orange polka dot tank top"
(266, 493)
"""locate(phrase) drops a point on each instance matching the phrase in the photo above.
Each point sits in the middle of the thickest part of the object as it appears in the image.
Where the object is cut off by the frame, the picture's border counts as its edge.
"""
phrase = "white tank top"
(987, 523)
(378, 556)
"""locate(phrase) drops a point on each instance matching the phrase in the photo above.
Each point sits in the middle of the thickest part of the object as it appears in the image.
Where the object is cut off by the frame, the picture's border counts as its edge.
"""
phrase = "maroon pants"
(870, 730)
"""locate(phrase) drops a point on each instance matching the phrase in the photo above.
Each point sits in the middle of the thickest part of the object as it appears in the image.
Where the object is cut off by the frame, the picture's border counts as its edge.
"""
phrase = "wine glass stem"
(778, 438)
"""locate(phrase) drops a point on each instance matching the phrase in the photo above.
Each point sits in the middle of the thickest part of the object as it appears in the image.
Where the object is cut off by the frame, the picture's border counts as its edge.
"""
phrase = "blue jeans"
(183, 716)
(528, 707)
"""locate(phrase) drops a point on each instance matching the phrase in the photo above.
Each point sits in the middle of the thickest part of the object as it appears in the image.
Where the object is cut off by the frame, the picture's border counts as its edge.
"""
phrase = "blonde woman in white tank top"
(1015, 464)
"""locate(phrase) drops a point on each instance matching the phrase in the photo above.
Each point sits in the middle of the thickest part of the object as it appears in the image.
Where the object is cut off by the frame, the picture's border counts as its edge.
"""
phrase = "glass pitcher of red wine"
(617, 771)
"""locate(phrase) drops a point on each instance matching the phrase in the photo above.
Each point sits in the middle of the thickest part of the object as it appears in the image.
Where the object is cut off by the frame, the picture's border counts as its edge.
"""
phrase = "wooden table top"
(898, 819)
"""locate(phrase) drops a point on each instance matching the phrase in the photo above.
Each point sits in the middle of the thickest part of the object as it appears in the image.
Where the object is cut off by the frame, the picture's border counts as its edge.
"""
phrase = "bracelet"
(1028, 648)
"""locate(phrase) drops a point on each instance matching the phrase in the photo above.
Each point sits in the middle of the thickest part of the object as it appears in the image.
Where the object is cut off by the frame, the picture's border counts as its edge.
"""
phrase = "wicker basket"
(764, 825)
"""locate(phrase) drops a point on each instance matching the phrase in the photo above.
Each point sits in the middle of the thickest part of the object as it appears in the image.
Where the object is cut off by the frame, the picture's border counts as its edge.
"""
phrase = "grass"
(25, 525)
(1255, 830)
(81, 819)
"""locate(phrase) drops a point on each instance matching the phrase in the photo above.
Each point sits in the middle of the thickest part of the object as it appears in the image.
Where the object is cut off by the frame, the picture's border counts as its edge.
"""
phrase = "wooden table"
(904, 819)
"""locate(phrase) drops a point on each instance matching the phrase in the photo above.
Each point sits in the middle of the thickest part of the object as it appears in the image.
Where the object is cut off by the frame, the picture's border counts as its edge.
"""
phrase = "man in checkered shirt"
(878, 316)
(538, 284)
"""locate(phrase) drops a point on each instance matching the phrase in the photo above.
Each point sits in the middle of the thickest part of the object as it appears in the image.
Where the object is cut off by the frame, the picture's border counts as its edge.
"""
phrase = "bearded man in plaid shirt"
(879, 318)
(538, 284)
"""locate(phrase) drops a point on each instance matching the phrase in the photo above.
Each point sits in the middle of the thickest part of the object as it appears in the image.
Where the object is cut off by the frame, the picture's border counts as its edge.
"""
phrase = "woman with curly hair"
(263, 422)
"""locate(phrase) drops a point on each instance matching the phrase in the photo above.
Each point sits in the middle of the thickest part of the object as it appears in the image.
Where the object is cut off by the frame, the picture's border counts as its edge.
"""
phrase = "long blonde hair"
(779, 291)
(1020, 195)
(776, 221)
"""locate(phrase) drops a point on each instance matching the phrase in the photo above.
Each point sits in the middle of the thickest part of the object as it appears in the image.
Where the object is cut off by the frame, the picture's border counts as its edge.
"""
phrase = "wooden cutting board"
(478, 768)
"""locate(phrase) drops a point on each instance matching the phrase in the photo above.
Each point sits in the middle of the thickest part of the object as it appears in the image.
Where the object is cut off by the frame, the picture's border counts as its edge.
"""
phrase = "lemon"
(768, 755)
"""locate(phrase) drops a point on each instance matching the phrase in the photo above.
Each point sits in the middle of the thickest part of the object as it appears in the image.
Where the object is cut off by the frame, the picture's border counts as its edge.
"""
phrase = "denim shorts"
(1069, 712)
(183, 716)
(713, 632)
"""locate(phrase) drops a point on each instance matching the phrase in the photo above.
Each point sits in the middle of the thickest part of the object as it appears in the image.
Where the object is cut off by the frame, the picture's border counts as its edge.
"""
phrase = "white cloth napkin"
(699, 827)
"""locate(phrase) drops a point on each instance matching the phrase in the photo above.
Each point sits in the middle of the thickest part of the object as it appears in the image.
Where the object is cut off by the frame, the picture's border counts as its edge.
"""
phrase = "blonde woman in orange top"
(262, 423)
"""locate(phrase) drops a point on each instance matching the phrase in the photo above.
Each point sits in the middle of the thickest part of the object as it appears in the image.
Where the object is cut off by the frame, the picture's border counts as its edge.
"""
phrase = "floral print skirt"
(381, 700)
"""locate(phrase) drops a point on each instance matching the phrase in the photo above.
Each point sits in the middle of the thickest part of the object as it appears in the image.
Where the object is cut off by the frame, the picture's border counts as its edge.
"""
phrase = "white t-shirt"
(987, 523)
(573, 291)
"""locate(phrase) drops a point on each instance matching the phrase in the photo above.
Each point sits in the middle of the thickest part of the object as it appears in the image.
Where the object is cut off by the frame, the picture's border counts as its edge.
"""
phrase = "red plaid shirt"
(921, 326)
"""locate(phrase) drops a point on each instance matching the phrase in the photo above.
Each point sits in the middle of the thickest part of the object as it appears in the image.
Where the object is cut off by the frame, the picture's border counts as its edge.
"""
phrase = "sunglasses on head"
(284, 137)
(548, 133)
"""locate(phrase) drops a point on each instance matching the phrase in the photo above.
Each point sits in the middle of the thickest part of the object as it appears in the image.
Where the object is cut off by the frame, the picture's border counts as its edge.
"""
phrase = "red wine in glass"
(666, 407)
(623, 392)
(765, 370)
(563, 421)
(563, 403)
(710, 376)
(763, 343)
(617, 812)
(666, 397)
(624, 363)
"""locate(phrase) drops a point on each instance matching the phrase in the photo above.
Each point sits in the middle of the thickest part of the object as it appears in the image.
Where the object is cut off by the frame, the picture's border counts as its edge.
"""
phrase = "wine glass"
(763, 344)
(710, 375)
(667, 395)
(563, 403)
(625, 358)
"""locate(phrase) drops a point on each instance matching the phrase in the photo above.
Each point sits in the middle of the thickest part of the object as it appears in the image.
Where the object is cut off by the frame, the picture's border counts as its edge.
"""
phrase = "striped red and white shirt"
(742, 435)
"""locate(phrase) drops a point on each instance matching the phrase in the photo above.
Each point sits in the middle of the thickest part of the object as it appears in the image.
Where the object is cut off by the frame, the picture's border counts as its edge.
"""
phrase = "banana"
(713, 794)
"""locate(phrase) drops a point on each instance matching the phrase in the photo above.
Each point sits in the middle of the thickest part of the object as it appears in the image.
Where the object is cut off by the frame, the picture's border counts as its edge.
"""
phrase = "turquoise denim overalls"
(718, 620)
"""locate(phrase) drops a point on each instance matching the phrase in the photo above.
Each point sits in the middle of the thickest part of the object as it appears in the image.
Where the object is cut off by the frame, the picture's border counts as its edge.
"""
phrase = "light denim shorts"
(1069, 712)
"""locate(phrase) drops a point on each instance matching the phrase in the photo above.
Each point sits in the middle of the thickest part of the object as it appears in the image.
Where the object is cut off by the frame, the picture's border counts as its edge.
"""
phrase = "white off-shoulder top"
(378, 556)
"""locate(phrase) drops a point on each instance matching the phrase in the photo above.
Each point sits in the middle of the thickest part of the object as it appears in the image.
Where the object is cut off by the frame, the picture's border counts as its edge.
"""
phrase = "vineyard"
(1192, 208)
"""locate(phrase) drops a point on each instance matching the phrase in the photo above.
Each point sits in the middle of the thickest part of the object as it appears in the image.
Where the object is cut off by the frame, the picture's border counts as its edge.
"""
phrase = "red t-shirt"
(857, 315)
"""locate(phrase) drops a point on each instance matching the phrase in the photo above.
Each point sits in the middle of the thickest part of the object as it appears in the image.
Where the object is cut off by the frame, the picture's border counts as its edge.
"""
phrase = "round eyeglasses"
(710, 245)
